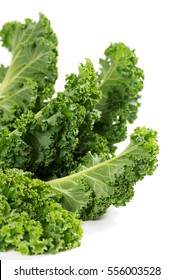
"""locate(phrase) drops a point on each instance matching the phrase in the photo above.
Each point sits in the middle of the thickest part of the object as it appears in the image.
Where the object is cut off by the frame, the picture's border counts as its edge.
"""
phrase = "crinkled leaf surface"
(120, 81)
(31, 219)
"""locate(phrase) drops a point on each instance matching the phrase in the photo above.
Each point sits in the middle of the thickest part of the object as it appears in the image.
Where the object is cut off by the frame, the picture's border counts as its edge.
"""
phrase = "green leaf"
(32, 221)
(106, 179)
(31, 76)
(120, 81)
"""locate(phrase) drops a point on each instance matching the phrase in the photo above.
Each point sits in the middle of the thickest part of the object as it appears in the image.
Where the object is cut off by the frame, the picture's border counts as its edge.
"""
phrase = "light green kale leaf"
(99, 183)
(31, 76)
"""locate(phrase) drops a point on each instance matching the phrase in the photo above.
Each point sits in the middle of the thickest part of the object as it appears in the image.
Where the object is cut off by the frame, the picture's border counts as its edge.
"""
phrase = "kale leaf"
(120, 81)
(31, 76)
(32, 221)
(99, 183)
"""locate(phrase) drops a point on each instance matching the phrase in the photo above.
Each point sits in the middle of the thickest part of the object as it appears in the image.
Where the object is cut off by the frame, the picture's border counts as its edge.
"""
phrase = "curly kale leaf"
(31, 219)
(54, 139)
(31, 76)
(120, 81)
(99, 183)
(83, 89)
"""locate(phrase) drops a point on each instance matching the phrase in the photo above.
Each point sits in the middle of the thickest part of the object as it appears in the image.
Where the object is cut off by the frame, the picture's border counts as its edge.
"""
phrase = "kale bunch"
(58, 150)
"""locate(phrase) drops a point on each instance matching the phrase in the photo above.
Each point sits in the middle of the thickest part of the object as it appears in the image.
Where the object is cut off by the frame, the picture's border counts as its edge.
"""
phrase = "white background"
(140, 234)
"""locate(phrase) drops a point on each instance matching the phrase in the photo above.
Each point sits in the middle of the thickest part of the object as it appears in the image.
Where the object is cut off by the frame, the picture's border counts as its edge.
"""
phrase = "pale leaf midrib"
(68, 195)
(12, 96)
(28, 65)
(83, 173)
(16, 56)
(108, 75)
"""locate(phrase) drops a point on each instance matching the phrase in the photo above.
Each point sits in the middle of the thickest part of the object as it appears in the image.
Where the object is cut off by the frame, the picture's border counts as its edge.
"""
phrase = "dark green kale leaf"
(51, 142)
(83, 90)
